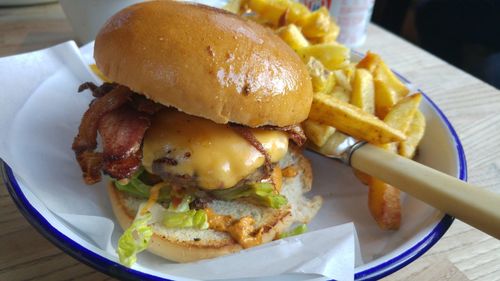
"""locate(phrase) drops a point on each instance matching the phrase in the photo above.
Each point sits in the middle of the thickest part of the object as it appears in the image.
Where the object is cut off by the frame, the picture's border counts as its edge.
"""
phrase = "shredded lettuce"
(182, 217)
(183, 206)
(191, 218)
(137, 187)
(261, 193)
(296, 231)
(135, 239)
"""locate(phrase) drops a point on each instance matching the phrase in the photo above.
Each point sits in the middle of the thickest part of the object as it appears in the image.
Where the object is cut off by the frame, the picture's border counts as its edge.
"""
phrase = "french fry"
(316, 24)
(384, 204)
(414, 134)
(384, 199)
(363, 94)
(316, 132)
(385, 98)
(270, 11)
(233, 6)
(342, 79)
(364, 178)
(332, 56)
(401, 115)
(388, 88)
(369, 62)
(322, 80)
(383, 73)
(273, 10)
(349, 71)
(292, 36)
(295, 11)
(352, 120)
(332, 143)
(341, 93)
(330, 36)
(329, 85)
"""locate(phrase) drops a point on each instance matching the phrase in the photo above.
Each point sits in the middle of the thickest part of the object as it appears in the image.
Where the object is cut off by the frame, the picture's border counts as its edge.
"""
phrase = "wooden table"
(472, 106)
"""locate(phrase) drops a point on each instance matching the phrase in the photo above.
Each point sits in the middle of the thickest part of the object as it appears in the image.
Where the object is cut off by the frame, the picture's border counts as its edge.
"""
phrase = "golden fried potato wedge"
(292, 36)
(352, 120)
(341, 93)
(369, 62)
(349, 71)
(414, 134)
(330, 36)
(364, 178)
(385, 98)
(273, 11)
(363, 93)
(316, 132)
(385, 204)
(234, 6)
(322, 80)
(401, 115)
(316, 24)
(383, 73)
(332, 56)
(392, 147)
(383, 199)
(342, 79)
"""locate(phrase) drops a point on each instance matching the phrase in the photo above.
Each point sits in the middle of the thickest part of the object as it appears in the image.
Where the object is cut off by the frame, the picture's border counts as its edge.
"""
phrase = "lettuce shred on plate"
(135, 239)
(296, 231)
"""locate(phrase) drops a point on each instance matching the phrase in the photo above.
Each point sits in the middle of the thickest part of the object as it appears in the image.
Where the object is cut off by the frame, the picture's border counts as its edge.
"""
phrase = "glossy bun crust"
(206, 62)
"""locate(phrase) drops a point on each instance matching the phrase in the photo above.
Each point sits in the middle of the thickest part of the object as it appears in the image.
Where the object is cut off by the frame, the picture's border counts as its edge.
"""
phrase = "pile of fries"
(364, 100)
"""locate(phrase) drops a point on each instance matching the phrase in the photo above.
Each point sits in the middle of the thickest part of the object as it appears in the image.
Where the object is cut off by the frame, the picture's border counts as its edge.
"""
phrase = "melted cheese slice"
(213, 153)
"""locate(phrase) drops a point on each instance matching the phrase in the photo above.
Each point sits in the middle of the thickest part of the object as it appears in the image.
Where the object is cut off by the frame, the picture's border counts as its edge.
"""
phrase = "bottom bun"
(188, 244)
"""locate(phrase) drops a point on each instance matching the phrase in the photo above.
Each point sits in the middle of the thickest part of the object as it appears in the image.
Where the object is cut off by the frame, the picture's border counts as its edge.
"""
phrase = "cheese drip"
(213, 153)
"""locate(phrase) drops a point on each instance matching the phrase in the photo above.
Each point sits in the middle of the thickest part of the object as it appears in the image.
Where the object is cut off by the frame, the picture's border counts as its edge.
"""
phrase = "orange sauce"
(241, 230)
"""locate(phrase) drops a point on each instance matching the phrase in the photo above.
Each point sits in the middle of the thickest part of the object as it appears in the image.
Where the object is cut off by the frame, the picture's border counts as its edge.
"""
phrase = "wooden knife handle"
(474, 205)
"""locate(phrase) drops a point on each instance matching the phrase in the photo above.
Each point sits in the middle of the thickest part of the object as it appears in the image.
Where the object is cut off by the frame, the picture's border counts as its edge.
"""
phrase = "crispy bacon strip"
(85, 142)
(87, 132)
(91, 165)
(97, 91)
(87, 86)
(142, 104)
(249, 136)
(123, 168)
(122, 131)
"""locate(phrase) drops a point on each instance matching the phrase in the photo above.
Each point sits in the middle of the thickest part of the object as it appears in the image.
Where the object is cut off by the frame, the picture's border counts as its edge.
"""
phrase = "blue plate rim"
(117, 270)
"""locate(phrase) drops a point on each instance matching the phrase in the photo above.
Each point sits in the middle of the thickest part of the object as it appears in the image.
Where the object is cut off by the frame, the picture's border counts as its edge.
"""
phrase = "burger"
(200, 131)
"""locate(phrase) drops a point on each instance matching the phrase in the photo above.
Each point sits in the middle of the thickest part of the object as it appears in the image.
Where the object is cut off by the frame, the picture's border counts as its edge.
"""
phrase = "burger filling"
(181, 162)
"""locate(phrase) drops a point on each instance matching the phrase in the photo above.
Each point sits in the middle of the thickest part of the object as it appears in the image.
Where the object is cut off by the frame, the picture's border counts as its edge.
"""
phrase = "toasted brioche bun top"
(206, 62)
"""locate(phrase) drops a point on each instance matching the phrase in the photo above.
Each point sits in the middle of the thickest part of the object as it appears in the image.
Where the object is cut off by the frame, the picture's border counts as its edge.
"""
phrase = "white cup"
(87, 16)
(353, 17)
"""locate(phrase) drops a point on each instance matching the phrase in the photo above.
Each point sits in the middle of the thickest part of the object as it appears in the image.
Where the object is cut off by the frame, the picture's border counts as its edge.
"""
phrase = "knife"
(471, 204)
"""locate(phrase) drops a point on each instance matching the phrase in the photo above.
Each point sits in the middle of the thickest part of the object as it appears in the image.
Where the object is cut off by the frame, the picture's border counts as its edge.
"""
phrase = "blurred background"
(465, 33)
